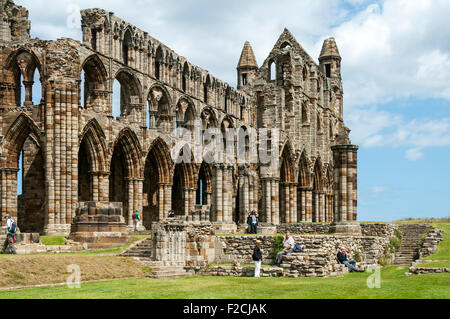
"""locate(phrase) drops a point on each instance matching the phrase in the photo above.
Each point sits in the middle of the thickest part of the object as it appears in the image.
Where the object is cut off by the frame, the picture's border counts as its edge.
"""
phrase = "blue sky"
(395, 68)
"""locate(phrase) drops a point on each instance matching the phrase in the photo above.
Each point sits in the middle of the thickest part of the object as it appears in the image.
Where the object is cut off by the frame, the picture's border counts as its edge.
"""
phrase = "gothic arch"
(22, 127)
(130, 91)
(128, 143)
(95, 81)
(20, 65)
(94, 137)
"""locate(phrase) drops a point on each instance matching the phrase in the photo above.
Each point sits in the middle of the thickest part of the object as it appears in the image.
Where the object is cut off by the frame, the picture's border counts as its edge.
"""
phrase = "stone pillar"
(218, 193)
(293, 203)
(8, 193)
(275, 201)
(345, 187)
(309, 202)
(28, 93)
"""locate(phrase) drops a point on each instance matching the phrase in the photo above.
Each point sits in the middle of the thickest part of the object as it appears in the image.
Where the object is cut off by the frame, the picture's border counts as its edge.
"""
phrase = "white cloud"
(413, 154)
(396, 49)
(379, 189)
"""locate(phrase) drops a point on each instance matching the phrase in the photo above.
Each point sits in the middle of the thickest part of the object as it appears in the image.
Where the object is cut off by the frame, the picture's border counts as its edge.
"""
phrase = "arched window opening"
(94, 39)
(20, 174)
(319, 123)
(83, 89)
(116, 99)
(244, 78)
(21, 91)
(241, 111)
(126, 46)
(158, 62)
(185, 77)
(93, 84)
(285, 45)
(272, 71)
(328, 70)
(129, 88)
(205, 93)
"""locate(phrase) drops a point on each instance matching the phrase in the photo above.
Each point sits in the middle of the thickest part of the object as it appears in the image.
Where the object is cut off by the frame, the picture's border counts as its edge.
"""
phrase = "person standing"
(136, 219)
(249, 222)
(257, 257)
(254, 223)
(10, 229)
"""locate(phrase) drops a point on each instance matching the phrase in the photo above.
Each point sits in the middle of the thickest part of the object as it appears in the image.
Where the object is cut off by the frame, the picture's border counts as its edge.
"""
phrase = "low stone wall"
(238, 271)
(431, 242)
(378, 229)
(426, 270)
(240, 248)
(317, 263)
(303, 228)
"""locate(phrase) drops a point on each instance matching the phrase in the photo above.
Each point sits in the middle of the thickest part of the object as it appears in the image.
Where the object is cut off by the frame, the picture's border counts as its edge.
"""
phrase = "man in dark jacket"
(257, 257)
(342, 257)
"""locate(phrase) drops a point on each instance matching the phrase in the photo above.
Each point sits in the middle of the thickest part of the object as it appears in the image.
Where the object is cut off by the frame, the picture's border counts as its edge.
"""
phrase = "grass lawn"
(394, 284)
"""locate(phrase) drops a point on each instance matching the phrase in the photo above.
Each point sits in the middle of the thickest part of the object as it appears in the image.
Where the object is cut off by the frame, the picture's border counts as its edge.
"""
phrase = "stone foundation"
(100, 225)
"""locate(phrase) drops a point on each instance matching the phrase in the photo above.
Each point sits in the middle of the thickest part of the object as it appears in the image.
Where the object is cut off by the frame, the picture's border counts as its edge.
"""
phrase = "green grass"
(394, 285)
(53, 240)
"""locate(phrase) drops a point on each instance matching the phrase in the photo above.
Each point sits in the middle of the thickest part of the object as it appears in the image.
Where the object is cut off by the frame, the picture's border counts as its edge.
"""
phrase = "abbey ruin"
(77, 157)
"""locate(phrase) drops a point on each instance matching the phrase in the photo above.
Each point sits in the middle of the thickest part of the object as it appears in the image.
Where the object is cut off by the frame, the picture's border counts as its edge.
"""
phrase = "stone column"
(293, 203)
(8, 193)
(275, 201)
(345, 176)
(309, 202)
(28, 93)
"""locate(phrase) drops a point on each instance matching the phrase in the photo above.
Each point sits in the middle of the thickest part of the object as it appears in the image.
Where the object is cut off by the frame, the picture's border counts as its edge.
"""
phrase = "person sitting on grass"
(351, 265)
(288, 247)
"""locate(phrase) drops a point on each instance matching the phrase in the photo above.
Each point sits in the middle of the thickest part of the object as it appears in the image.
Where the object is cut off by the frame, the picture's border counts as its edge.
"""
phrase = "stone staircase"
(142, 248)
(165, 269)
(411, 237)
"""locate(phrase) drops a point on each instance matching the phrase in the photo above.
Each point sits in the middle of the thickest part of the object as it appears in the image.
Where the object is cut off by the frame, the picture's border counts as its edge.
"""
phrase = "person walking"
(257, 257)
(136, 219)
(10, 228)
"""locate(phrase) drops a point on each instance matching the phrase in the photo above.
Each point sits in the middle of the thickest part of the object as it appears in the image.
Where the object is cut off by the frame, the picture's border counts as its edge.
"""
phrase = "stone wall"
(426, 270)
(378, 229)
(237, 271)
(240, 248)
(303, 228)
(431, 242)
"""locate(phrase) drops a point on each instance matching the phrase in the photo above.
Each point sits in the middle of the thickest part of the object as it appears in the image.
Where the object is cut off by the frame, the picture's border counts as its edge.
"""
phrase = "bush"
(278, 242)
(395, 243)
(385, 260)
(357, 256)
(398, 234)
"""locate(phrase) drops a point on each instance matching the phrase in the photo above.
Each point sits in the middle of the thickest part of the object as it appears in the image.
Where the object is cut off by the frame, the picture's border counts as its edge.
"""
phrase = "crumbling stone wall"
(240, 248)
